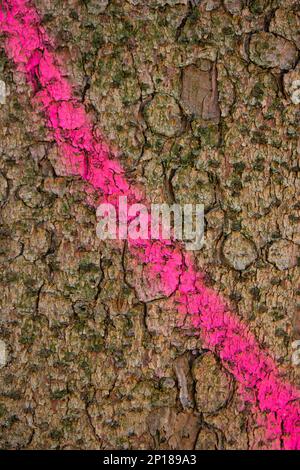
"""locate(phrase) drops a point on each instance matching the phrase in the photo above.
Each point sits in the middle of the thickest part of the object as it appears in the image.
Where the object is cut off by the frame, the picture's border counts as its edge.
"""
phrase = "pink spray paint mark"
(168, 267)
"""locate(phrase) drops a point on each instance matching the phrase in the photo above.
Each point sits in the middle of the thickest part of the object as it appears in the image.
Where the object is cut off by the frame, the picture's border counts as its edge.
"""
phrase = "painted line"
(274, 402)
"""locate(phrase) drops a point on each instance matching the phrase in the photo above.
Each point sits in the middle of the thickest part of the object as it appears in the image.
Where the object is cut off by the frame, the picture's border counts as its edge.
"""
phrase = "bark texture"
(201, 102)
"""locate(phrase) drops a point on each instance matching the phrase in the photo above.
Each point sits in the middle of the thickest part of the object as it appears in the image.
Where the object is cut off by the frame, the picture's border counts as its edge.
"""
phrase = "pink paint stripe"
(170, 270)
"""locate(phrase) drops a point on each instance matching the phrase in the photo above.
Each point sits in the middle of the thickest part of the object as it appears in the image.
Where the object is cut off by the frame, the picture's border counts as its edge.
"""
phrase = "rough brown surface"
(201, 101)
